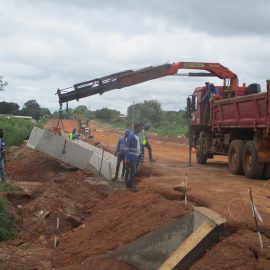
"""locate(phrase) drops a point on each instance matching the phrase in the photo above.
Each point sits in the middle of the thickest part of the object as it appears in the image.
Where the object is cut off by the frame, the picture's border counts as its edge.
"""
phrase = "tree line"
(30, 108)
(149, 111)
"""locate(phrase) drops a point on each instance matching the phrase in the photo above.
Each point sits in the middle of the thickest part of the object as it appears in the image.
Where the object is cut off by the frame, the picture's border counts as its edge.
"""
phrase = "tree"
(107, 114)
(2, 83)
(83, 111)
(31, 108)
(67, 114)
(148, 112)
(45, 112)
(8, 107)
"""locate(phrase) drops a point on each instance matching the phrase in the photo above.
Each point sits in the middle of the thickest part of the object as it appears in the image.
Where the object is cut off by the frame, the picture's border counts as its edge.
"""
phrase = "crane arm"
(132, 77)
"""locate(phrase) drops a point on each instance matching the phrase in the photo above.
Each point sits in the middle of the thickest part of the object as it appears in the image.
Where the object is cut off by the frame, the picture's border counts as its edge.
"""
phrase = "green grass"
(16, 130)
(119, 124)
(164, 128)
(7, 225)
(41, 122)
(171, 129)
(4, 187)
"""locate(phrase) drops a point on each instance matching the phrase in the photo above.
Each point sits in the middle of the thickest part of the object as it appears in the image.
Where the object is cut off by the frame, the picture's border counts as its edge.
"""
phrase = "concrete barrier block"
(108, 160)
(102, 165)
(59, 147)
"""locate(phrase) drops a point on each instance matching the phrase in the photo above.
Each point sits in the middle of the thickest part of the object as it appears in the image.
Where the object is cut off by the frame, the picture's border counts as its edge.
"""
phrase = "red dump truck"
(238, 125)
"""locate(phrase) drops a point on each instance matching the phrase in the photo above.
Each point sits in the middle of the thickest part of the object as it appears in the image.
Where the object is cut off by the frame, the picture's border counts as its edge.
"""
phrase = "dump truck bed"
(250, 111)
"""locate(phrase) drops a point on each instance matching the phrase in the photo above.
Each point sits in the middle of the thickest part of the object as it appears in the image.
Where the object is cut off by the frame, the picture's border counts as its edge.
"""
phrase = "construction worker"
(86, 132)
(132, 153)
(119, 153)
(74, 134)
(2, 156)
(211, 94)
(145, 141)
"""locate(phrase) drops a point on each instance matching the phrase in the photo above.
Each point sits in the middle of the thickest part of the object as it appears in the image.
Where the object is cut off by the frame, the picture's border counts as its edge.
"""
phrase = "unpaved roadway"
(109, 215)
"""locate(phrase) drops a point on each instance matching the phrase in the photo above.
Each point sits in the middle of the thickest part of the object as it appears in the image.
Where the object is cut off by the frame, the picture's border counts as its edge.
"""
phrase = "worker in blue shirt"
(212, 94)
(133, 151)
(119, 153)
(212, 91)
(2, 156)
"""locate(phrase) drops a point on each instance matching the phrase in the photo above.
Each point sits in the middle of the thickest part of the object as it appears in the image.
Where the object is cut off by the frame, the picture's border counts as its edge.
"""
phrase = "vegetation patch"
(7, 225)
(16, 130)
(5, 187)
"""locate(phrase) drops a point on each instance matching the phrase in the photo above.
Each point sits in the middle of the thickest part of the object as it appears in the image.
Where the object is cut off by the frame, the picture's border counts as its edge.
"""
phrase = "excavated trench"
(174, 246)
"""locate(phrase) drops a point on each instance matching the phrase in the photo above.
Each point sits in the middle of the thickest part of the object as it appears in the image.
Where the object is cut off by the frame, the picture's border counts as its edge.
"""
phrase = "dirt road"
(96, 217)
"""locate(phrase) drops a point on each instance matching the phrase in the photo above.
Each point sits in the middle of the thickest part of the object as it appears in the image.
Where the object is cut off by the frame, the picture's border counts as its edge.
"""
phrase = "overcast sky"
(50, 44)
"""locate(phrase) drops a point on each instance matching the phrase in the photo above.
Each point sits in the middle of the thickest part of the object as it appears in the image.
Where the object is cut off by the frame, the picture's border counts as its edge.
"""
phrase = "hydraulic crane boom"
(132, 77)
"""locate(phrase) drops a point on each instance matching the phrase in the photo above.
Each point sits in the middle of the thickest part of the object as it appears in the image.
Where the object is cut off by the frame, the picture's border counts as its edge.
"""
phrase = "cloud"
(47, 45)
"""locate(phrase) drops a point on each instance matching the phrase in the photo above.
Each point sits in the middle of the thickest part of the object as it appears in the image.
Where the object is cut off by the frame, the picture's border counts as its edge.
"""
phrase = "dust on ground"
(96, 216)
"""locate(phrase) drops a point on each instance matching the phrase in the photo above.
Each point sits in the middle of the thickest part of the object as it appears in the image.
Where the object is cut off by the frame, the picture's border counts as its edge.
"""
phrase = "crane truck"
(237, 125)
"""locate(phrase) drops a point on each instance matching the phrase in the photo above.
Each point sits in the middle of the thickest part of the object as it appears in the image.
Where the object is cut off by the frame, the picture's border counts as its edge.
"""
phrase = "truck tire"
(235, 156)
(252, 169)
(200, 156)
(266, 171)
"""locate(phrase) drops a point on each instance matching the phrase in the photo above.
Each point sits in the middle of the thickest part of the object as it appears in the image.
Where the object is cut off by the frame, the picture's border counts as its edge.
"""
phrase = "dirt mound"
(97, 216)
(117, 220)
(30, 165)
(249, 255)
(51, 190)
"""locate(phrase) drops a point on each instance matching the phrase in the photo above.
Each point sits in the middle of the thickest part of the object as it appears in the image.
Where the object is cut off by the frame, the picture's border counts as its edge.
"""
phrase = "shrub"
(7, 226)
(4, 187)
(16, 130)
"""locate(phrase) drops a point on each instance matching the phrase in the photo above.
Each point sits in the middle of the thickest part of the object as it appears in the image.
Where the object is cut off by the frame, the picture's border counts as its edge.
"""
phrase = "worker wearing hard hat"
(132, 155)
(119, 153)
(145, 140)
(212, 92)
(74, 135)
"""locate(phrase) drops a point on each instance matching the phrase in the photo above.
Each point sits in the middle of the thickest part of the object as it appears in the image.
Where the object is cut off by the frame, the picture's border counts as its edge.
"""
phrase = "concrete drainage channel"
(175, 246)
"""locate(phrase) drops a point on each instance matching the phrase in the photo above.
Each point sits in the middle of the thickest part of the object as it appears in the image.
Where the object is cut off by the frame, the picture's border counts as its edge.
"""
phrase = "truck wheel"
(200, 156)
(266, 171)
(252, 169)
(235, 156)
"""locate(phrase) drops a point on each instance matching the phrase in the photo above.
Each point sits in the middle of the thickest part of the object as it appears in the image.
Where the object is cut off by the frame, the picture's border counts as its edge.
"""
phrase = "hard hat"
(127, 131)
(147, 126)
(211, 86)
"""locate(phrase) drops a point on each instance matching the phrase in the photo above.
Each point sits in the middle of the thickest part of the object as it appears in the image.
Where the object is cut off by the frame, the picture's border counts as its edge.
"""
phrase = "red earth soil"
(97, 216)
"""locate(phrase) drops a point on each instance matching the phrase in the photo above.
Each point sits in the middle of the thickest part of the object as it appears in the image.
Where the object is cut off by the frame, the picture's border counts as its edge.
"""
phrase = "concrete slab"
(59, 147)
(151, 250)
(108, 164)
(207, 227)
(175, 261)
(175, 246)
(102, 165)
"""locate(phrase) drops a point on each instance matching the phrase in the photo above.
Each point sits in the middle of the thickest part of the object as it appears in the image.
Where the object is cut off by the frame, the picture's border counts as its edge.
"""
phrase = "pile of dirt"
(96, 216)
(91, 217)
(49, 190)
(237, 251)
(117, 220)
